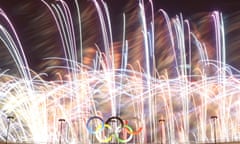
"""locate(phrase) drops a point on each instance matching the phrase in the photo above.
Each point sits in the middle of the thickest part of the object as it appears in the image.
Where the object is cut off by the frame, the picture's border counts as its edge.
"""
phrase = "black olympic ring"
(117, 118)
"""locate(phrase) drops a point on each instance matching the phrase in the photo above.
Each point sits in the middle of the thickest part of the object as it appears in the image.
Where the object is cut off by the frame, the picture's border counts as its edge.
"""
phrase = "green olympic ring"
(126, 140)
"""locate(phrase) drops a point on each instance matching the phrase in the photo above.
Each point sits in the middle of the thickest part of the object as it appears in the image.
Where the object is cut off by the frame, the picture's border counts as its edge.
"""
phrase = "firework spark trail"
(160, 87)
(186, 101)
(15, 48)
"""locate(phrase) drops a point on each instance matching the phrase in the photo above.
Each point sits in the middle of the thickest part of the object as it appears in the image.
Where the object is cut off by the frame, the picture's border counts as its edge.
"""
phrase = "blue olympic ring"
(90, 129)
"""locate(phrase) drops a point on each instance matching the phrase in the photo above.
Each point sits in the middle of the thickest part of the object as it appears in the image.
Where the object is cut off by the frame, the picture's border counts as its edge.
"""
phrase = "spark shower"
(160, 76)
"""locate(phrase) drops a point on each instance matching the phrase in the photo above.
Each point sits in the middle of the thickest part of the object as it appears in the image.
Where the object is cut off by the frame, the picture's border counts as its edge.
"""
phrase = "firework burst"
(161, 69)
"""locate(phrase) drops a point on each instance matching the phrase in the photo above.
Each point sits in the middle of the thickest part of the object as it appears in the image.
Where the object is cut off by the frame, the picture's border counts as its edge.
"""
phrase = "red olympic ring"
(134, 132)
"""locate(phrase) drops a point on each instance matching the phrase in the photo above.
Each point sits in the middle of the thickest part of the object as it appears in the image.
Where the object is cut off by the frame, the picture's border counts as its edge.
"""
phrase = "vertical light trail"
(179, 29)
(171, 131)
(189, 50)
(80, 30)
(65, 20)
(107, 40)
(72, 41)
(220, 48)
(171, 35)
(152, 70)
(123, 58)
(15, 48)
(124, 47)
(58, 21)
(147, 67)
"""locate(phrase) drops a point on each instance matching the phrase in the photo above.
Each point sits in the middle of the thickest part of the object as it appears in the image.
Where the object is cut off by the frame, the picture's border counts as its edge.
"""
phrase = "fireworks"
(161, 78)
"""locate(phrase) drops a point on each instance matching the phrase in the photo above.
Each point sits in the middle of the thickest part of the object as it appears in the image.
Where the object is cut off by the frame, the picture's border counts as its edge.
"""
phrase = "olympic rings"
(107, 125)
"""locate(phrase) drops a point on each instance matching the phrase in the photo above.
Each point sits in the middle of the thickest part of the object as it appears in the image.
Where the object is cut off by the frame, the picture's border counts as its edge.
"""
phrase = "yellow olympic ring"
(106, 140)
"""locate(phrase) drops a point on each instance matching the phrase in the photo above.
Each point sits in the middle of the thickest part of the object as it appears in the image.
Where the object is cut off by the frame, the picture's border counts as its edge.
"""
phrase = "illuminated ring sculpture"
(101, 127)
(98, 129)
(117, 118)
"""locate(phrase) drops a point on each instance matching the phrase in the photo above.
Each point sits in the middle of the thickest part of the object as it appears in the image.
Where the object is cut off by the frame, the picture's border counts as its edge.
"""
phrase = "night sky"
(187, 7)
(37, 30)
